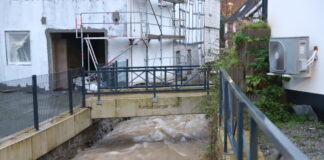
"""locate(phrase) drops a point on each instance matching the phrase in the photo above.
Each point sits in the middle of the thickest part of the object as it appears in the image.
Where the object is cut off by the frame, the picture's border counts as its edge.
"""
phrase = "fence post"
(205, 78)
(35, 102)
(176, 78)
(146, 78)
(83, 87)
(240, 131)
(127, 73)
(116, 75)
(253, 140)
(221, 97)
(226, 99)
(181, 70)
(207, 70)
(165, 76)
(154, 85)
(98, 87)
(70, 88)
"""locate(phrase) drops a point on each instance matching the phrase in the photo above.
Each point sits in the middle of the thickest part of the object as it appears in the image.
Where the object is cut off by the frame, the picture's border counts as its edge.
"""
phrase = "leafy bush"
(257, 25)
(268, 88)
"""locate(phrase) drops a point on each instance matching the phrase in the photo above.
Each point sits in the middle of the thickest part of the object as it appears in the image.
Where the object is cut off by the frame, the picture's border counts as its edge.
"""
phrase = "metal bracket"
(154, 99)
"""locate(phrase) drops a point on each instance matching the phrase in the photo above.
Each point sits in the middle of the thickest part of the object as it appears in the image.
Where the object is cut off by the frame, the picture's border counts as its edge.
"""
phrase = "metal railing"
(29, 102)
(233, 104)
(152, 79)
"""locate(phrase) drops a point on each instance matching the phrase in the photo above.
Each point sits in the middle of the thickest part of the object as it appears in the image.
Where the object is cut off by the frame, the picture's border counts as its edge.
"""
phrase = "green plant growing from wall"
(257, 25)
(269, 89)
(227, 58)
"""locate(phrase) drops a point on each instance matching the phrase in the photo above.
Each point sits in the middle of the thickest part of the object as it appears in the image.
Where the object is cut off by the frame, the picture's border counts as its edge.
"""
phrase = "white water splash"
(145, 138)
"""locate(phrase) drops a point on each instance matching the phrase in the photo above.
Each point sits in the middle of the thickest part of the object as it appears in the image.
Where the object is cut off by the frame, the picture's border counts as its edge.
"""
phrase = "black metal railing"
(31, 101)
(28, 102)
(153, 79)
(233, 104)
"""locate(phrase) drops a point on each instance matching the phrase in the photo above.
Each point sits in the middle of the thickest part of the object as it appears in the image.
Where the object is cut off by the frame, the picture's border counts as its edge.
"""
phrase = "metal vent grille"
(276, 57)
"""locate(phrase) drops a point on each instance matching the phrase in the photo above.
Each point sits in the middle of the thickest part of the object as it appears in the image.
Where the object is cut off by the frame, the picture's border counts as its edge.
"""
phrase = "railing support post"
(181, 70)
(116, 75)
(127, 68)
(83, 87)
(207, 70)
(70, 87)
(176, 78)
(225, 116)
(154, 85)
(205, 78)
(165, 75)
(35, 102)
(98, 87)
(253, 140)
(146, 78)
(221, 98)
(240, 131)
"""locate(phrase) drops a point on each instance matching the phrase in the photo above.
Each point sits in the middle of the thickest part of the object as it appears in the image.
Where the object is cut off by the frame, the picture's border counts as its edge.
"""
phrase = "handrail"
(149, 79)
(257, 120)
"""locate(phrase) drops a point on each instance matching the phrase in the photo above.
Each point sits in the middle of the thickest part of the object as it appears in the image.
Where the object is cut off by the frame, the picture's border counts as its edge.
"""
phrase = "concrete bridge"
(31, 144)
(155, 99)
(134, 105)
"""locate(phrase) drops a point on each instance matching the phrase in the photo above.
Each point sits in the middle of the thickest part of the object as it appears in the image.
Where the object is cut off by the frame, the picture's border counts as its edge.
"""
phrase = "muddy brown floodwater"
(176, 137)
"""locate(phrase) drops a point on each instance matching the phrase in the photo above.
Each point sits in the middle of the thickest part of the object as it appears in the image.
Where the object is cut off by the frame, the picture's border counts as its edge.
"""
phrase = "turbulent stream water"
(180, 137)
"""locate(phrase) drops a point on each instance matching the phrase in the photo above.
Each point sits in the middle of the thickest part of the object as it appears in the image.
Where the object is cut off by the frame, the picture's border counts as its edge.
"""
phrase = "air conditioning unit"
(289, 55)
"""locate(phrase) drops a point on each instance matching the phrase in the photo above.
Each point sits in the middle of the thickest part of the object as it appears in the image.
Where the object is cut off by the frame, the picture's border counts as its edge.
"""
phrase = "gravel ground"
(307, 136)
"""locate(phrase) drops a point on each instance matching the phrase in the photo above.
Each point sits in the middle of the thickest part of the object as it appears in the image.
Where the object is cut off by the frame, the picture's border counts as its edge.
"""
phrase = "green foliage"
(260, 62)
(257, 25)
(268, 88)
(239, 38)
(227, 58)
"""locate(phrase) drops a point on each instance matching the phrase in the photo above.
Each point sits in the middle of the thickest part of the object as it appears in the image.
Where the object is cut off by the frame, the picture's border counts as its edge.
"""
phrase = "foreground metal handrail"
(258, 120)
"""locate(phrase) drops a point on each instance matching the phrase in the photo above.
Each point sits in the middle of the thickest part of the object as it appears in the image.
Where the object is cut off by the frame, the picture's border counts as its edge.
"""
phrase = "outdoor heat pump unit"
(290, 56)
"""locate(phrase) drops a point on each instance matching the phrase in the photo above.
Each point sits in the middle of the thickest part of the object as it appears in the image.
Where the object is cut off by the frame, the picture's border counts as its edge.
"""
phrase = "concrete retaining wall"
(31, 144)
(34, 144)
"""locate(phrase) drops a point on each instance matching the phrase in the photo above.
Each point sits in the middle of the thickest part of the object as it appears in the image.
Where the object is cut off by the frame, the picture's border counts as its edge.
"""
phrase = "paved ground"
(16, 109)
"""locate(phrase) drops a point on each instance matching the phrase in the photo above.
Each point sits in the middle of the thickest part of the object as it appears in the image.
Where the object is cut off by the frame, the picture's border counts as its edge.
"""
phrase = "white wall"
(22, 15)
(290, 18)
(212, 25)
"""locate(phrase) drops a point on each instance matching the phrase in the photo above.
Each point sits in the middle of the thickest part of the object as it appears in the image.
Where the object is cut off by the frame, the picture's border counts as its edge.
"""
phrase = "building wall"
(22, 15)
(291, 18)
(212, 27)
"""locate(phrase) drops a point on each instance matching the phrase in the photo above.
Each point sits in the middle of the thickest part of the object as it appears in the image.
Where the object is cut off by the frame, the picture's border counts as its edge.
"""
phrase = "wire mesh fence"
(31, 101)
(16, 106)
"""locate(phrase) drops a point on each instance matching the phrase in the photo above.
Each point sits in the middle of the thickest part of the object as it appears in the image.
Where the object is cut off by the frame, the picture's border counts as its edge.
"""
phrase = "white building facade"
(296, 18)
(212, 28)
(39, 36)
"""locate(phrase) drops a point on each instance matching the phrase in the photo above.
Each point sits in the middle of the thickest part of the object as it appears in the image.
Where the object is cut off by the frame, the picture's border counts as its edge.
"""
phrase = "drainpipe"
(265, 10)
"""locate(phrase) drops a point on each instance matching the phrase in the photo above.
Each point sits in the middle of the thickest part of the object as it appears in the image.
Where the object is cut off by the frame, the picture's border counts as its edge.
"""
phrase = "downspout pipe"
(265, 10)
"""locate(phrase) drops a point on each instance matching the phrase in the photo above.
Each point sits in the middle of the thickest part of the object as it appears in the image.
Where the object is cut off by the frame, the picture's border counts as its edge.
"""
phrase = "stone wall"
(85, 139)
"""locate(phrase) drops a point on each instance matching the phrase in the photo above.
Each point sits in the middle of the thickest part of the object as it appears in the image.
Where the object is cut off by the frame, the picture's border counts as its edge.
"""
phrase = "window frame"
(7, 54)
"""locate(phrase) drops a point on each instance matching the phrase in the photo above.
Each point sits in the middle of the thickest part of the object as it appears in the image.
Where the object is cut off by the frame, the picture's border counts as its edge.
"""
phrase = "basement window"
(18, 47)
